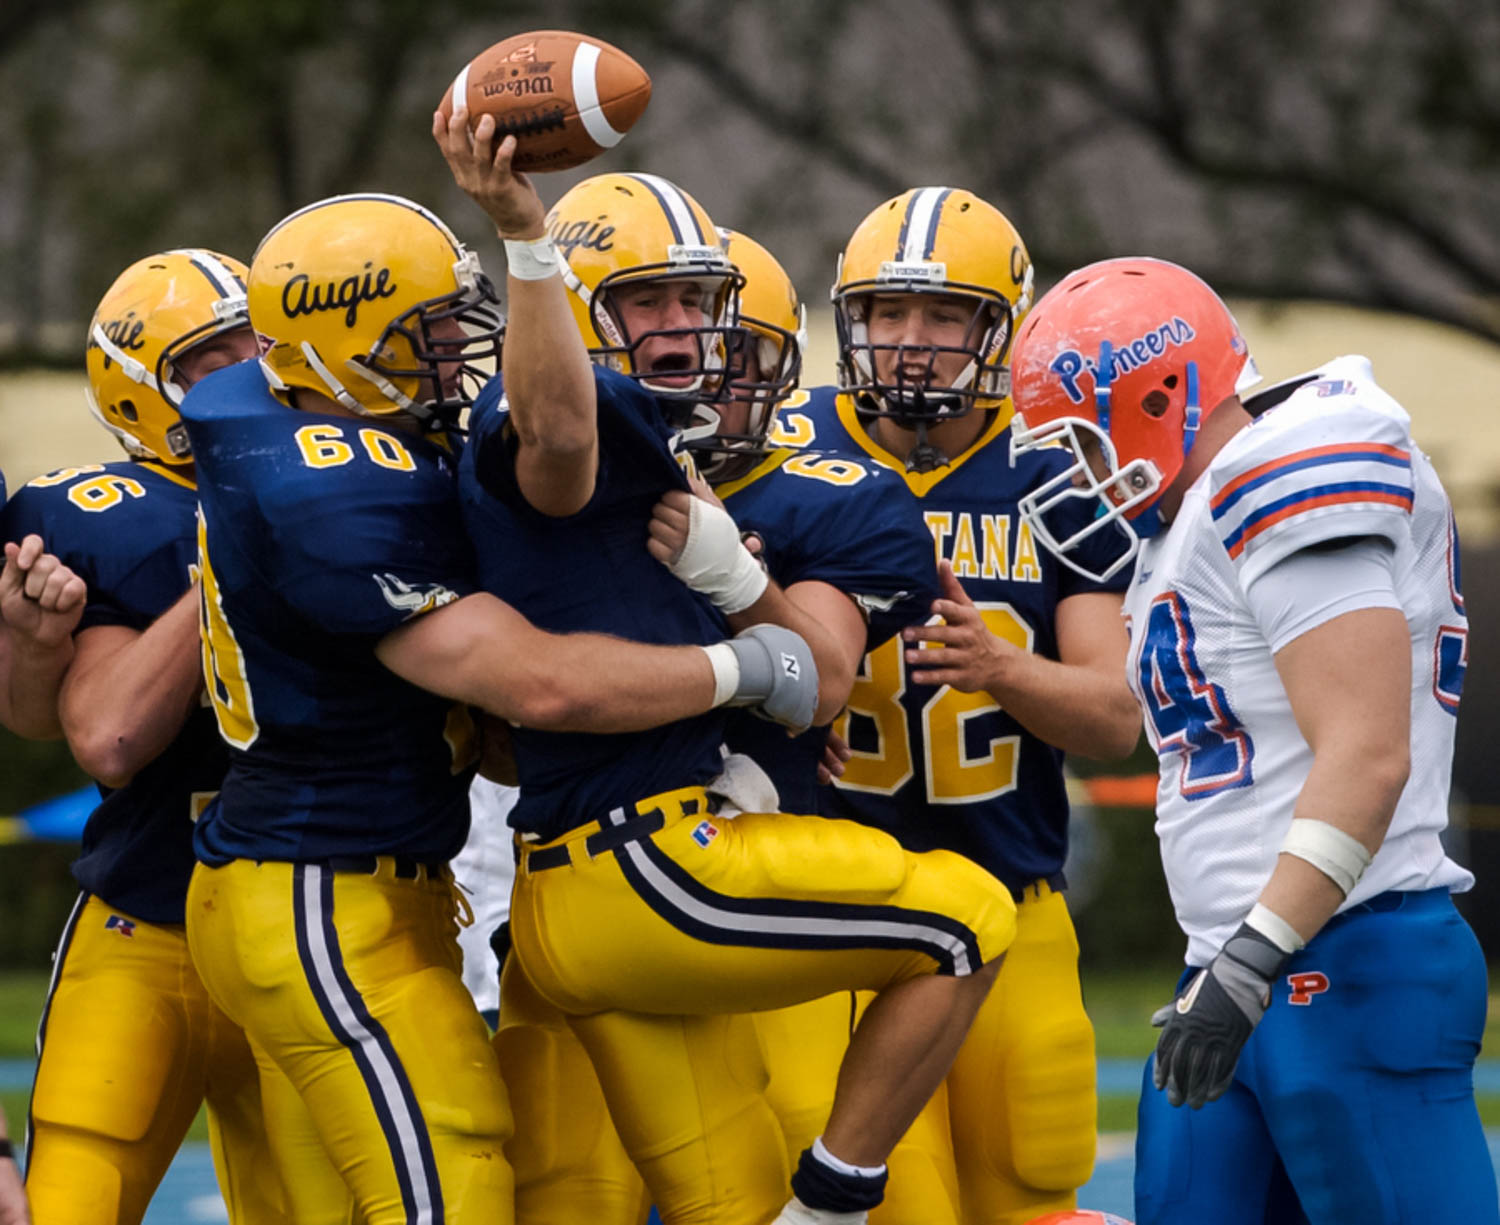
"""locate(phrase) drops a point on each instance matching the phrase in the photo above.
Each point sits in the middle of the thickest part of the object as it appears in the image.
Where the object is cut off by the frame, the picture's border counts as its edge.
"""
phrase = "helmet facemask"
(920, 397)
(702, 378)
(765, 362)
(449, 346)
(1120, 497)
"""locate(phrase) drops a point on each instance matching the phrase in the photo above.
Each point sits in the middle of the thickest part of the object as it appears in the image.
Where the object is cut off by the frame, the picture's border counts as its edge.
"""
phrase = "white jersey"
(1333, 460)
(486, 870)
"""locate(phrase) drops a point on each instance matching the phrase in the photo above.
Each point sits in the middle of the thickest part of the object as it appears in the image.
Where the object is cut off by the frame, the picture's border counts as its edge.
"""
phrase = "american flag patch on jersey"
(126, 927)
(706, 832)
(1341, 477)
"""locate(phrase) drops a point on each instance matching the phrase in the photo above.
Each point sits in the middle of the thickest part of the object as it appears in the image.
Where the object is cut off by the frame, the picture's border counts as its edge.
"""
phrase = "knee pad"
(1052, 1102)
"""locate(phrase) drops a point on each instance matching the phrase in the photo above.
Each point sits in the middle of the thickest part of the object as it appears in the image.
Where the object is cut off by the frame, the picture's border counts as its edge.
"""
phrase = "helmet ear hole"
(1170, 382)
(126, 409)
(1155, 403)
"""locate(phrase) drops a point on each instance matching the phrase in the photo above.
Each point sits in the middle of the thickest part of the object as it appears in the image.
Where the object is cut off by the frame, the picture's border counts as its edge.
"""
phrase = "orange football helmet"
(1121, 362)
(1079, 1216)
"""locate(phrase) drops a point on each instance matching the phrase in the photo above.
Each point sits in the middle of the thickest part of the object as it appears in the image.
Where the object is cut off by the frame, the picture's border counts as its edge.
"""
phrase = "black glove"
(1205, 1028)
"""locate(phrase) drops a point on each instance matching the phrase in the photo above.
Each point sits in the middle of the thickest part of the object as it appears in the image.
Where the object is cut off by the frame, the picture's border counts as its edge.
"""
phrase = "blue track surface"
(189, 1195)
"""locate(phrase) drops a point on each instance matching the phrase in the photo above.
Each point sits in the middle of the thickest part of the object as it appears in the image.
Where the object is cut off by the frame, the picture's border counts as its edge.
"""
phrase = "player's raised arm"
(41, 601)
(549, 382)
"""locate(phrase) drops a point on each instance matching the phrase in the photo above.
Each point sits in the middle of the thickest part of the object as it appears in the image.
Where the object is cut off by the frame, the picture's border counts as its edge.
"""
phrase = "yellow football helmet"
(937, 240)
(765, 363)
(614, 230)
(155, 311)
(772, 315)
(371, 300)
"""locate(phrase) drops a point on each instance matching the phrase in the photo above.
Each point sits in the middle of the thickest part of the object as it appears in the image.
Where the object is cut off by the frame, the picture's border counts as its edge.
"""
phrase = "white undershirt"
(1313, 586)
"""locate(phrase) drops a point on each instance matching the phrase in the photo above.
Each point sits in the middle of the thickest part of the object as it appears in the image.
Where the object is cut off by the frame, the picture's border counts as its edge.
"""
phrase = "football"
(565, 97)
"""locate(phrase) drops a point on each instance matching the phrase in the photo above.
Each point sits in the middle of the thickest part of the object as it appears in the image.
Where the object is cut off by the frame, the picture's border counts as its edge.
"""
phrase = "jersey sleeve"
(136, 561)
(490, 453)
(870, 541)
(1307, 474)
(892, 575)
(634, 445)
(368, 555)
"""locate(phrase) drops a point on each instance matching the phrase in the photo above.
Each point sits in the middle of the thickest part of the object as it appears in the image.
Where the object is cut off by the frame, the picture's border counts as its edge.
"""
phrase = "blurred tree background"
(1287, 151)
(1284, 150)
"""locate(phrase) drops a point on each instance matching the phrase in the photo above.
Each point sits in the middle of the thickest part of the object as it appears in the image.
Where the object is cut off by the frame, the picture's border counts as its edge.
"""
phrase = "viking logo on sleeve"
(126, 927)
(413, 599)
(790, 666)
(1305, 985)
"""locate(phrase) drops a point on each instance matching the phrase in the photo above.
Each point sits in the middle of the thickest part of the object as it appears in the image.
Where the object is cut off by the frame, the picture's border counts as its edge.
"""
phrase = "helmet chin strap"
(1104, 376)
(1193, 417)
(703, 422)
(923, 457)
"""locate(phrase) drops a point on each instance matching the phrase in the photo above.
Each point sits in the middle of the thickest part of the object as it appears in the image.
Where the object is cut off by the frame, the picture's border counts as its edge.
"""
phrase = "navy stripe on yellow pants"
(647, 943)
(350, 982)
(347, 1016)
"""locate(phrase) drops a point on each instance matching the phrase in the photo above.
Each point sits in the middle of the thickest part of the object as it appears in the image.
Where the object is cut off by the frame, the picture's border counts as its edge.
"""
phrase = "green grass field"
(1120, 1004)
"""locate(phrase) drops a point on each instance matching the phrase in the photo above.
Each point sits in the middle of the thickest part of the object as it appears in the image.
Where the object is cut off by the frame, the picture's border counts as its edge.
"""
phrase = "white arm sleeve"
(1305, 589)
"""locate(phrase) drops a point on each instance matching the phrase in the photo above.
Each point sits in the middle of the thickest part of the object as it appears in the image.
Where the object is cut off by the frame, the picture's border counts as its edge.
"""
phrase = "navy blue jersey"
(847, 523)
(320, 535)
(936, 767)
(127, 529)
(590, 571)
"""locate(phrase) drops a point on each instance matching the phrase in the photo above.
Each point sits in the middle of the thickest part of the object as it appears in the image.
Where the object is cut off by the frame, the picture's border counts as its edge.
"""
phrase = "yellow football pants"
(131, 1046)
(570, 1166)
(652, 947)
(1023, 1092)
(1011, 1136)
(350, 983)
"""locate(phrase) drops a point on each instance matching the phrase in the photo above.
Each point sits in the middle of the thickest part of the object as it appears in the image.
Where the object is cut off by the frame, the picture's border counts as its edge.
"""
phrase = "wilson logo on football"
(517, 87)
(1305, 985)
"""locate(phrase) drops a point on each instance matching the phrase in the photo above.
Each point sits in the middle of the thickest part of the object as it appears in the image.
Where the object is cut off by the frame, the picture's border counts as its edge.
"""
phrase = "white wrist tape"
(1274, 928)
(1339, 856)
(726, 666)
(716, 563)
(531, 260)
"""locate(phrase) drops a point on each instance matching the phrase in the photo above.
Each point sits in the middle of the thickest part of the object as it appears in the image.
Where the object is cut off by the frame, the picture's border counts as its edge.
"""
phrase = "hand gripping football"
(565, 97)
